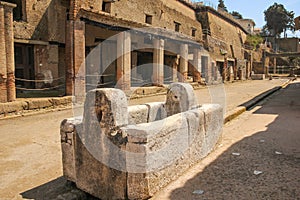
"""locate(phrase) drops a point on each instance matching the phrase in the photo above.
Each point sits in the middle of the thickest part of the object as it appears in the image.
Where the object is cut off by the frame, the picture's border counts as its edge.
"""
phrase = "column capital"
(7, 5)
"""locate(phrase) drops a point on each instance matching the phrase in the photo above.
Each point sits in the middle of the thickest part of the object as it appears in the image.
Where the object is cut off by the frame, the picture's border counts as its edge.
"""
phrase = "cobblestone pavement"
(30, 164)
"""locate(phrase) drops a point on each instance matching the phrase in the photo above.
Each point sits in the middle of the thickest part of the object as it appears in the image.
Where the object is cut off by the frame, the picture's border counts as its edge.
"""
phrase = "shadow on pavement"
(58, 189)
(48, 190)
(274, 154)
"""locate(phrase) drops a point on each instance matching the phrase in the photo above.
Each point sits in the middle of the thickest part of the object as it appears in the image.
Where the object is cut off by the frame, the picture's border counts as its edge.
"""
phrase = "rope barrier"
(100, 84)
(42, 89)
(38, 81)
(168, 78)
(136, 79)
(99, 75)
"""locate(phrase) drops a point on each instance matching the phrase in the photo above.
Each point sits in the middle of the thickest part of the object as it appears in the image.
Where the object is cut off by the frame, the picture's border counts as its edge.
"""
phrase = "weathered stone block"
(11, 107)
(61, 101)
(213, 116)
(110, 159)
(161, 156)
(138, 114)
(157, 111)
(100, 161)
(257, 76)
(68, 130)
(180, 98)
(196, 125)
(38, 103)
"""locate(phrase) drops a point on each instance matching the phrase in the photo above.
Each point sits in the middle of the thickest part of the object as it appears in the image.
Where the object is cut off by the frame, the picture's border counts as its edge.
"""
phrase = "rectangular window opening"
(177, 26)
(148, 19)
(19, 12)
(106, 6)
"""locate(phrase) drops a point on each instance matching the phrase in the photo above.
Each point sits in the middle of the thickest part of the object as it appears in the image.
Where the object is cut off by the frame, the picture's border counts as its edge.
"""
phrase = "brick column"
(124, 61)
(75, 59)
(10, 55)
(3, 70)
(197, 66)
(158, 61)
(79, 59)
(69, 58)
(183, 66)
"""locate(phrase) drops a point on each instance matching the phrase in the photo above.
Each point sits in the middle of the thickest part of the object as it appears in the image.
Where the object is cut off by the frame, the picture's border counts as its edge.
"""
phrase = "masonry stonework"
(76, 27)
(115, 152)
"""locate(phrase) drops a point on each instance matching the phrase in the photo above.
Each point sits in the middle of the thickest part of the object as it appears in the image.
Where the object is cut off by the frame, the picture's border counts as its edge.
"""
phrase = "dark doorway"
(220, 67)
(145, 66)
(24, 66)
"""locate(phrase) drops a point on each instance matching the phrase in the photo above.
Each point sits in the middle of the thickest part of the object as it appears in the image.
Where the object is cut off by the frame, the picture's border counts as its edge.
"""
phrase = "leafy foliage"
(254, 41)
(278, 20)
(236, 15)
(221, 5)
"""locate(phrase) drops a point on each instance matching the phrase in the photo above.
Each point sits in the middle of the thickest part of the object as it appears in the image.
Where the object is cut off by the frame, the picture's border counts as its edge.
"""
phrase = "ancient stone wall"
(42, 20)
(163, 12)
(120, 153)
(228, 35)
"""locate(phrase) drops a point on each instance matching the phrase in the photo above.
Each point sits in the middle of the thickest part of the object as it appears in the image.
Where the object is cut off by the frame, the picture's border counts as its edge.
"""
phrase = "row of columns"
(75, 59)
(7, 62)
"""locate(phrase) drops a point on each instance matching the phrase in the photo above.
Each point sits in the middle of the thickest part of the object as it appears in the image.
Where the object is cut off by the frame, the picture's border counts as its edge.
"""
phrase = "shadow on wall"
(275, 152)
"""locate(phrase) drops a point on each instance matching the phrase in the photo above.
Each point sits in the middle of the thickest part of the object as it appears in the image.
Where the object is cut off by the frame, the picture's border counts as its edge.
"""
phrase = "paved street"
(30, 165)
(265, 141)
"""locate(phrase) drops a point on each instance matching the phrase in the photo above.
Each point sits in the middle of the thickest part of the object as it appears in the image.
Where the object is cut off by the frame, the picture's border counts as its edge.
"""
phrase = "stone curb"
(41, 105)
(247, 105)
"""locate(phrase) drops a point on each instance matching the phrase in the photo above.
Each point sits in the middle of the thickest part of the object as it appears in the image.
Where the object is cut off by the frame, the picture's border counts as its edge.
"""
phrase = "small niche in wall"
(148, 19)
(194, 32)
(106, 6)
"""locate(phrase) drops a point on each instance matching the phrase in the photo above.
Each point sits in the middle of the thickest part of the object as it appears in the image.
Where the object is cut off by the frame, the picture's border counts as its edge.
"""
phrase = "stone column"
(263, 60)
(3, 70)
(175, 64)
(124, 61)
(275, 65)
(235, 70)
(207, 69)
(134, 58)
(183, 66)
(225, 70)
(158, 61)
(10, 55)
(197, 66)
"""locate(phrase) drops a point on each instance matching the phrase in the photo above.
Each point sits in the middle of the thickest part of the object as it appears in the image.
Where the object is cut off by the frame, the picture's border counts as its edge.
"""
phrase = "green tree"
(222, 6)
(278, 20)
(236, 15)
(254, 41)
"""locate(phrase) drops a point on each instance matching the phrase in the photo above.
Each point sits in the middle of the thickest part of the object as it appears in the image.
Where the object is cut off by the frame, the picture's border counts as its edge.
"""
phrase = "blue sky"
(254, 9)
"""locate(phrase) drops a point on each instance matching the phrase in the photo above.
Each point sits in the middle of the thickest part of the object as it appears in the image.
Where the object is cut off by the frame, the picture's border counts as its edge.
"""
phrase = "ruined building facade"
(48, 45)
